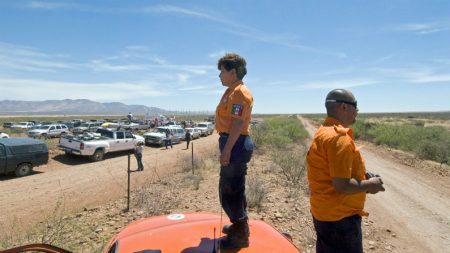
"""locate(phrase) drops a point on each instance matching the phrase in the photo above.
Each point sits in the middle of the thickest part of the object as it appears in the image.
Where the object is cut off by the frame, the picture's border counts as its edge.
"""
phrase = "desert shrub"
(361, 130)
(292, 164)
(430, 150)
(278, 132)
(256, 192)
(55, 228)
(157, 199)
(194, 180)
(431, 143)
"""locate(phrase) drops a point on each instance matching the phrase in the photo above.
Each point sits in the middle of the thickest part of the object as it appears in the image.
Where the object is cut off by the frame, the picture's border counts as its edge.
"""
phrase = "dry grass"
(256, 192)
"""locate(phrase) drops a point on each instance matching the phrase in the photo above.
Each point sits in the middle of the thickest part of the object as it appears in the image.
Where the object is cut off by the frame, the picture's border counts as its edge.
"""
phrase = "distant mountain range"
(73, 107)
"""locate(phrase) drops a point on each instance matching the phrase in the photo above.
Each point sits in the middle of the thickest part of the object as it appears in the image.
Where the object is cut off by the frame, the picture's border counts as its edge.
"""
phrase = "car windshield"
(202, 125)
(84, 125)
(160, 130)
(42, 127)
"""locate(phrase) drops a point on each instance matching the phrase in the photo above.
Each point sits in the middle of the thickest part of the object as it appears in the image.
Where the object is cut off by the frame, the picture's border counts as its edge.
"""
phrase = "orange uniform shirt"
(333, 153)
(236, 103)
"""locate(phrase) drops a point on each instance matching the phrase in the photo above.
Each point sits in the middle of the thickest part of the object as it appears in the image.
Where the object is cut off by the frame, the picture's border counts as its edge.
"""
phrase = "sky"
(394, 55)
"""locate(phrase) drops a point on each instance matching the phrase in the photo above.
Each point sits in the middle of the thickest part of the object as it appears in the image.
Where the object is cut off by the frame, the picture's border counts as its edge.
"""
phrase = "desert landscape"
(79, 205)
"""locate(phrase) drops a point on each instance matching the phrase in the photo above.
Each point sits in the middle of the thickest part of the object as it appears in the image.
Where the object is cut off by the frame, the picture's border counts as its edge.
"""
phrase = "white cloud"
(29, 89)
(337, 84)
(423, 28)
(191, 88)
(429, 78)
(345, 83)
(202, 14)
(413, 75)
(242, 30)
(21, 58)
(217, 54)
(46, 5)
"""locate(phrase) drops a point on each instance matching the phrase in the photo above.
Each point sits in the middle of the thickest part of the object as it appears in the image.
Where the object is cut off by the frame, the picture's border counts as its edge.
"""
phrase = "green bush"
(434, 151)
(278, 132)
(431, 143)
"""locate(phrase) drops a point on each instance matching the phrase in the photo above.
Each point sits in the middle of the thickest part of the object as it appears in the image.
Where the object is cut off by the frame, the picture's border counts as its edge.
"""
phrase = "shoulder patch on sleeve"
(236, 110)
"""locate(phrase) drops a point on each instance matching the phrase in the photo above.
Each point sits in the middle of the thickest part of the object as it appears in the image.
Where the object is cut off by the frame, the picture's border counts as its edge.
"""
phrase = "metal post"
(192, 157)
(128, 196)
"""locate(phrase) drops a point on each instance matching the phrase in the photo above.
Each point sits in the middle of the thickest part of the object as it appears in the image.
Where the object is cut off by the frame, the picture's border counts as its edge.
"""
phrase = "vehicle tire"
(44, 136)
(97, 156)
(23, 169)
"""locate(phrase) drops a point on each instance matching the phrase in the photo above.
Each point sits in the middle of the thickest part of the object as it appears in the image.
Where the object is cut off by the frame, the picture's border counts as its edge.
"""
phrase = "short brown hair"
(233, 61)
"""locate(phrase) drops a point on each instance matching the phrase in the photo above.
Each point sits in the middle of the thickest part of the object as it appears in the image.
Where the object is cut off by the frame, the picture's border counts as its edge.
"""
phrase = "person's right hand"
(374, 185)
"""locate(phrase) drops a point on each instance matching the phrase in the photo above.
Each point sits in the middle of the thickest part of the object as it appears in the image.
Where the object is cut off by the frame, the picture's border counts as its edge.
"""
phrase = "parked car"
(20, 155)
(23, 125)
(206, 128)
(158, 135)
(86, 127)
(195, 132)
(48, 131)
(96, 145)
(3, 135)
(8, 124)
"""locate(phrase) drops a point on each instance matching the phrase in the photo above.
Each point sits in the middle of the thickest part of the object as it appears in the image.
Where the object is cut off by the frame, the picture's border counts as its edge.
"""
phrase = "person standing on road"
(232, 123)
(168, 140)
(138, 154)
(187, 138)
(337, 178)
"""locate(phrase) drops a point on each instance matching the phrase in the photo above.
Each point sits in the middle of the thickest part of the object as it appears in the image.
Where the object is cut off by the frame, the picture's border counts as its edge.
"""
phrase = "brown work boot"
(237, 237)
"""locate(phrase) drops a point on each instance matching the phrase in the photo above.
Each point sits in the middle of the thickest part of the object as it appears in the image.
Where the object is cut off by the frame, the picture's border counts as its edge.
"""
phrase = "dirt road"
(413, 214)
(75, 183)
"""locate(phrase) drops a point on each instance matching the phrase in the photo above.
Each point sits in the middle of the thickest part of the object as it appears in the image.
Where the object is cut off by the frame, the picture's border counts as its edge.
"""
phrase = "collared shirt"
(236, 103)
(333, 153)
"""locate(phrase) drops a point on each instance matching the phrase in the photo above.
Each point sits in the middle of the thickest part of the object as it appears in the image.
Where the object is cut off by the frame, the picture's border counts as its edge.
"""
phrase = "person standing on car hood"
(232, 123)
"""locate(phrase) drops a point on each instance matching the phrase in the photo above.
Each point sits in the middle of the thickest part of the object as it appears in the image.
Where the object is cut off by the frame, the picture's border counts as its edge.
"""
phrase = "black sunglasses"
(355, 104)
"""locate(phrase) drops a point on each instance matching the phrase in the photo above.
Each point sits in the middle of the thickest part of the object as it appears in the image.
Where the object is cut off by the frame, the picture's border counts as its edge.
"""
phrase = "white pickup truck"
(97, 144)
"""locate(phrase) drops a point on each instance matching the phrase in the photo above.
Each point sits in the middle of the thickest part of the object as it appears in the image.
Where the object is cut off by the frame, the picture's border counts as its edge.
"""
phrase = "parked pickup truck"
(95, 145)
(20, 155)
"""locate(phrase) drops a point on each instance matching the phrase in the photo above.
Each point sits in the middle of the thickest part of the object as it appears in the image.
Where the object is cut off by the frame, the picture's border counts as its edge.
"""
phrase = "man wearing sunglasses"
(337, 178)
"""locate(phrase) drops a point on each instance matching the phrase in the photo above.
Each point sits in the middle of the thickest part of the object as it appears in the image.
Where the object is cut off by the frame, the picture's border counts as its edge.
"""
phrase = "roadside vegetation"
(284, 140)
(431, 143)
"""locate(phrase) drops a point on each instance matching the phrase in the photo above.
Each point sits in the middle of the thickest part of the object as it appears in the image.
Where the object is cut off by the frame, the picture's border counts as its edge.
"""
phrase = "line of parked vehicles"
(20, 155)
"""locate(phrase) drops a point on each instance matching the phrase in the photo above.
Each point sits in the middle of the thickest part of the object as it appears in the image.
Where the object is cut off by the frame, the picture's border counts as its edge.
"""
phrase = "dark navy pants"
(232, 179)
(139, 161)
(343, 236)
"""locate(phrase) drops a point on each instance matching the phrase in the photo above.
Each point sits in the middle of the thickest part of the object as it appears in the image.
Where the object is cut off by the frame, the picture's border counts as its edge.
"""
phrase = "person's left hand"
(225, 158)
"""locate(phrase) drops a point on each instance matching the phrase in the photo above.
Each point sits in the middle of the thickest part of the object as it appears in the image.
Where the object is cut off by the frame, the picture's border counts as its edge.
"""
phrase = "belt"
(226, 134)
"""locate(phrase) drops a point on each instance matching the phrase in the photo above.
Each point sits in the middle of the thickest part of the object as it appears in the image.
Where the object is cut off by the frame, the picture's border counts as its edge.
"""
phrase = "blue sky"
(394, 55)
